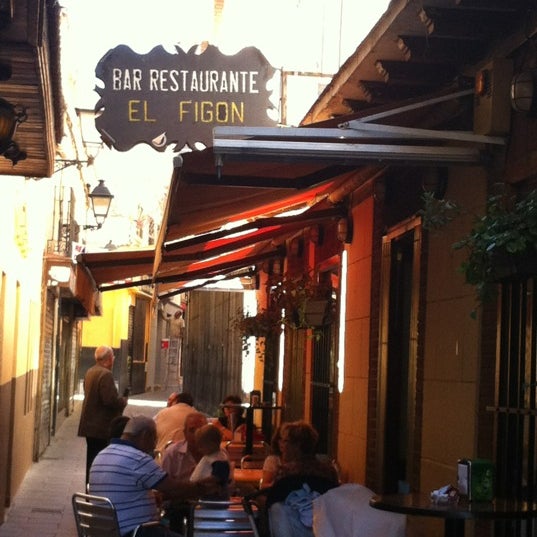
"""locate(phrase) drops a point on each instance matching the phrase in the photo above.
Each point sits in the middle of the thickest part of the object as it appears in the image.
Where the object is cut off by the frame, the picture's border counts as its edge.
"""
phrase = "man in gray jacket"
(101, 405)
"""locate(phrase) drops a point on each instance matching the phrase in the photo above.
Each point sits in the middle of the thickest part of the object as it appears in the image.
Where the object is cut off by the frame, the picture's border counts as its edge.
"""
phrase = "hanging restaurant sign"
(161, 98)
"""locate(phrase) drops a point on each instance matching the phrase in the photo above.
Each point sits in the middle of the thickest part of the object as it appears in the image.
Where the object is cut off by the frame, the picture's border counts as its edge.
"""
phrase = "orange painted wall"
(352, 437)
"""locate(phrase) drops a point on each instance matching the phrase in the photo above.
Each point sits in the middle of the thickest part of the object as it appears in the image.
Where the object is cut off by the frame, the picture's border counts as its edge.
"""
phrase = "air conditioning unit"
(492, 103)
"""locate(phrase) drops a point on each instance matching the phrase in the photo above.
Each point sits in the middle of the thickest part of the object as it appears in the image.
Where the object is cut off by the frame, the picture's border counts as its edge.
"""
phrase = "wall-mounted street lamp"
(523, 92)
(100, 203)
(10, 118)
(91, 137)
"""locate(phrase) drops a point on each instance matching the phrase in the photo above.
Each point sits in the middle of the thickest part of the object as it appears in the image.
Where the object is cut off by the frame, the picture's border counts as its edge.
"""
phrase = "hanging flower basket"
(304, 301)
(315, 312)
(263, 324)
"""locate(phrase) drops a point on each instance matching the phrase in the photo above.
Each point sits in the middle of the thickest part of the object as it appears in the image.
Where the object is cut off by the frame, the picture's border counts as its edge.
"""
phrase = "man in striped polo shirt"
(126, 473)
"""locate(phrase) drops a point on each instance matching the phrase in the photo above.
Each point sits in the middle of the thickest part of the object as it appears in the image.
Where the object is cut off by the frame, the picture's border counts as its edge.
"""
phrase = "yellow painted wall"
(112, 326)
(353, 400)
(451, 347)
(24, 224)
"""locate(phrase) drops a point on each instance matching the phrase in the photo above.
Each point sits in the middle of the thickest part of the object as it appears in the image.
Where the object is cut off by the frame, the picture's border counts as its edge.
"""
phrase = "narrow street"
(42, 505)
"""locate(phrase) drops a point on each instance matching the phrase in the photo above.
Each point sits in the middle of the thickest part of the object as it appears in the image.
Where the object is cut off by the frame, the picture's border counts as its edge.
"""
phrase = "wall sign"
(161, 98)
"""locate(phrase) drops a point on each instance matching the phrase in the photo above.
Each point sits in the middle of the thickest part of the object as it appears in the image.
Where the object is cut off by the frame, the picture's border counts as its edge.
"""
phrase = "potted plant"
(262, 324)
(315, 311)
(502, 244)
(304, 301)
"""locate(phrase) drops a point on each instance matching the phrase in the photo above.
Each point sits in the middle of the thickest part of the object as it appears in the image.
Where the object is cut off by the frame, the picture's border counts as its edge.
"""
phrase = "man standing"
(101, 405)
(171, 420)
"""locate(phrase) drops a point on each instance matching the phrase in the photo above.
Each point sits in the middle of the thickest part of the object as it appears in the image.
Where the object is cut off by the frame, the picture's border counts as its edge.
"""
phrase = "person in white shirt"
(170, 421)
(215, 460)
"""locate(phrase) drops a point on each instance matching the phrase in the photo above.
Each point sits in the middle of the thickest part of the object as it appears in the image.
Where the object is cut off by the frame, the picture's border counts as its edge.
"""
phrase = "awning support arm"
(410, 107)
(390, 131)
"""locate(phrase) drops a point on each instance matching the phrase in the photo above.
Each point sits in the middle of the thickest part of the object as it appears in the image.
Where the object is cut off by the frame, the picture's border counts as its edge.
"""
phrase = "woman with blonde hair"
(301, 478)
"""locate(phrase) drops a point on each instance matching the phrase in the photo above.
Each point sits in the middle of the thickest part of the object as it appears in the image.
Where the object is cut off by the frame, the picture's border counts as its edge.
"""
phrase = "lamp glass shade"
(522, 92)
(60, 273)
(342, 230)
(7, 121)
(100, 200)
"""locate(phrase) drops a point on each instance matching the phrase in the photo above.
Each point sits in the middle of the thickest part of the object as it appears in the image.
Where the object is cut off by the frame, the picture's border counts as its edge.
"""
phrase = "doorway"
(398, 356)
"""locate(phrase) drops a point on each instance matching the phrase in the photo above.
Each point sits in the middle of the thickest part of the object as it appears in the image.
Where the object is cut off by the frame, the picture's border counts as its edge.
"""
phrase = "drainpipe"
(56, 353)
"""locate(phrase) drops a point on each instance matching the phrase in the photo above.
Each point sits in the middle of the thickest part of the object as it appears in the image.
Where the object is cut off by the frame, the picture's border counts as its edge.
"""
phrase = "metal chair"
(252, 461)
(96, 516)
(236, 451)
(264, 505)
(216, 518)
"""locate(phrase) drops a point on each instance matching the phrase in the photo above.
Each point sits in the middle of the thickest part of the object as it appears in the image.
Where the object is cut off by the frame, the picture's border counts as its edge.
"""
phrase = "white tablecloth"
(345, 512)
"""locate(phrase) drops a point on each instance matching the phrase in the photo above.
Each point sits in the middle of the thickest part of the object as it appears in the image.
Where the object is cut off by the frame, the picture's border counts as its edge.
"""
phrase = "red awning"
(204, 198)
(212, 228)
(118, 266)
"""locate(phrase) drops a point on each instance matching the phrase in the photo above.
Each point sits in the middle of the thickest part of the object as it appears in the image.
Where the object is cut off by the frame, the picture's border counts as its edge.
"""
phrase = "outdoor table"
(247, 476)
(454, 514)
(250, 423)
(246, 481)
(250, 426)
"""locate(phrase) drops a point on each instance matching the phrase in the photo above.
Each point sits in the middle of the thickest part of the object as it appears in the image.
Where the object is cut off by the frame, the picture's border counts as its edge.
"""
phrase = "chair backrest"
(213, 519)
(345, 512)
(95, 516)
(252, 461)
(236, 450)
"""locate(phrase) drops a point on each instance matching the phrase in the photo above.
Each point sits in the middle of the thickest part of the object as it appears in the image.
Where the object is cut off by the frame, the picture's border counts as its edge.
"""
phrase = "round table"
(454, 514)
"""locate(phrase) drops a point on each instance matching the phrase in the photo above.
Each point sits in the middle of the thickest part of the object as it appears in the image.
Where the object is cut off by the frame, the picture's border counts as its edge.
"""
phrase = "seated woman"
(233, 420)
(272, 463)
(300, 479)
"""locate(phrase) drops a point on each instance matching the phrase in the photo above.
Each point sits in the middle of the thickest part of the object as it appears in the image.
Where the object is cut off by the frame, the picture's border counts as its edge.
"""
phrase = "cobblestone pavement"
(42, 505)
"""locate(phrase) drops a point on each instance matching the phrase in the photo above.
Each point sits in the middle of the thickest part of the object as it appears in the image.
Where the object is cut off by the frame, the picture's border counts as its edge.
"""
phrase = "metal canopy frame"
(345, 143)
(350, 154)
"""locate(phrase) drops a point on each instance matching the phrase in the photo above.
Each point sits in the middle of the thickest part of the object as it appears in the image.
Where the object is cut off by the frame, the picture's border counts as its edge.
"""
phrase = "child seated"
(215, 461)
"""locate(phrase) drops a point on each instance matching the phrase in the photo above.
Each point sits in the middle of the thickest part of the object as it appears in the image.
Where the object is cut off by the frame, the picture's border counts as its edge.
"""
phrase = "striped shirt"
(126, 476)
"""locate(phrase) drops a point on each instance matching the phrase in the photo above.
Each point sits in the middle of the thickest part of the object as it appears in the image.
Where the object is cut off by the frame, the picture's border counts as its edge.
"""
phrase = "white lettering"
(173, 77)
(194, 82)
(223, 85)
(253, 82)
(214, 81)
(125, 80)
(116, 79)
(204, 81)
(153, 79)
(234, 82)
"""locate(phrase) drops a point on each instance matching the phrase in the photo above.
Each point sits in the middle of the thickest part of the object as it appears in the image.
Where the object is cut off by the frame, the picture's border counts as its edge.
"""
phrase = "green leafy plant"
(500, 242)
(289, 301)
(262, 324)
(292, 295)
(436, 213)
